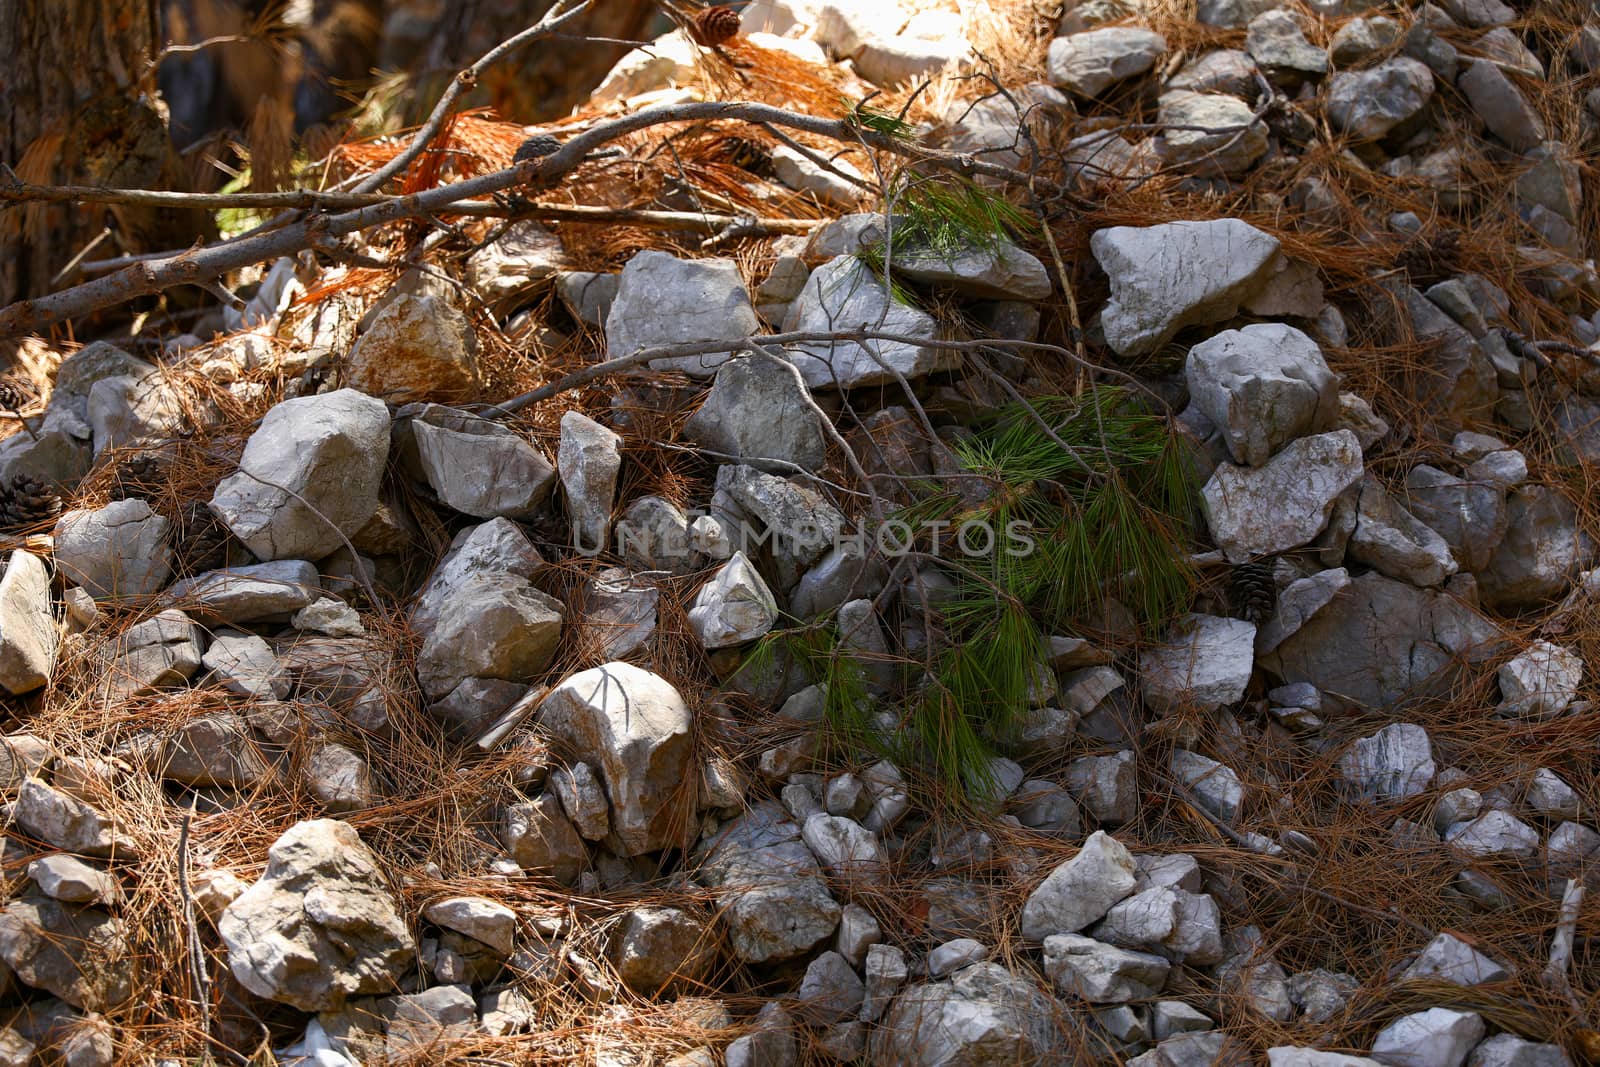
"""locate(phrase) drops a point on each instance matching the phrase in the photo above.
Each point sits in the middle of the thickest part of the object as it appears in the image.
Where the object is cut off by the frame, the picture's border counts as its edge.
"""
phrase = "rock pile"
(454, 665)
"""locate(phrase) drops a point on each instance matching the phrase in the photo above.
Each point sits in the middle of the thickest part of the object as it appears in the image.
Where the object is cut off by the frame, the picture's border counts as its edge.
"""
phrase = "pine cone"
(12, 396)
(140, 476)
(1252, 592)
(26, 501)
(714, 26)
(748, 155)
(201, 539)
(536, 147)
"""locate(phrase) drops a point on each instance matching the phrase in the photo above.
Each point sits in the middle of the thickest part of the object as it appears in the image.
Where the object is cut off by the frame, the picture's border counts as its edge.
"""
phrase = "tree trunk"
(546, 79)
(78, 107)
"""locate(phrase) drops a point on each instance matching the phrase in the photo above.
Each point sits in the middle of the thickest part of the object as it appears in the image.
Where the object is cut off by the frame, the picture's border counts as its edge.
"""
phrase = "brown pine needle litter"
(1347, 900)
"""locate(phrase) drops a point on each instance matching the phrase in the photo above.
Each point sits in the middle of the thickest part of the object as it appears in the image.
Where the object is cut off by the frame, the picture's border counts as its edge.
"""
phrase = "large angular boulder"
(79, 954)
(320, 925)
(479, 615)
(1261, 511)
(1263, 386)
(1379, 641)
(309, 476)
(845, 294)
(758, 413)
(28, 635)
(1178, 274)
(418, 347)
(634, 727)
(118, 550)
(768, 886)
(663, 300)
(477, 466)
(1087, 64)
(982, 1015)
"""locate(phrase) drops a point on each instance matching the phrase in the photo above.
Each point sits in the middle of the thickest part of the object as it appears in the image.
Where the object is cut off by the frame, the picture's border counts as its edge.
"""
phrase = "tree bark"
(78, 105)
(548, 78)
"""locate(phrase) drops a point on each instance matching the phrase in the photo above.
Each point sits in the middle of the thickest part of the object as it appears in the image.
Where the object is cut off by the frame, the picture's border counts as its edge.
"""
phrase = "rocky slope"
(358, 718)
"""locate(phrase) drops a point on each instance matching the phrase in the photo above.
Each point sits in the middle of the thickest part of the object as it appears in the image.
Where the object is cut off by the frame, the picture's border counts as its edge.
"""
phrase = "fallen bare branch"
(206, 263)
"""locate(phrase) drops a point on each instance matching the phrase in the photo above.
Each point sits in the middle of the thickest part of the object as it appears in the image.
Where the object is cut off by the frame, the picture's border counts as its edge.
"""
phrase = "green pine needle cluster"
(948, 213)
(1108, 515)
(1098, 491)
(888, 123)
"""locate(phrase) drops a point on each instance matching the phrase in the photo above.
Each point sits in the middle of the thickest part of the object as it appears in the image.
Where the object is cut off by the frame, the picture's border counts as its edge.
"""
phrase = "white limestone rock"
(1284, 504)
(1178, 274)
(309, 476)
(1264, 386)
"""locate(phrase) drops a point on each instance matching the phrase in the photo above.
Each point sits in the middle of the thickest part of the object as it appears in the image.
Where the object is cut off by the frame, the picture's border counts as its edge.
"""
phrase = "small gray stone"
(830, 991)
(161, 651)
(118, 550)
(1508, 1050)
(1494, 833)
(589, 461)
(309, 476)
(845, 290)
(662, 300)
(28, 635)
(1276, 41)
(1438, 1037)
(1392, 764)
(1284, 504)
(1540, 683)
(1370, 104)
(1079, 891)
(657, 949)
(67, 878)
(733, 608)
(634, 728)
(1395, 542)
(477, 466)
(1087, 64)
(1203, 662)
(1501, 105)
(541, 838)
(1101, 973)
(249, 593)
(320, 924)
(1449, 959)
(758, 413)
(245, 664)
(1178, 274)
